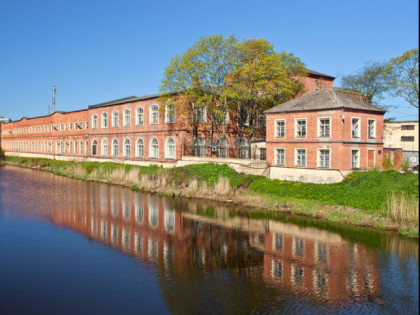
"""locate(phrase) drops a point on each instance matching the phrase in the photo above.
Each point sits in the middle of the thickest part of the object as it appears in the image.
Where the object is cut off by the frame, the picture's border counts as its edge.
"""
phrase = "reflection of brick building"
(282, 255)
(325, 265)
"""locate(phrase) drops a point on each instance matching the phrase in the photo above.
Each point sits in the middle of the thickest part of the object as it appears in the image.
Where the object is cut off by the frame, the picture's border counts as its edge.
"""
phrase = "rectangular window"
(371, 129)
(263, 156)
(355, 128)
(354, 158)
(407, 138)
(170, 113)
(280, 128)
(301, 128)
(407, 127)
(200, 115)
(280, 156)
(301, 157)
(324, 158)
(261, 119)
(324, 127)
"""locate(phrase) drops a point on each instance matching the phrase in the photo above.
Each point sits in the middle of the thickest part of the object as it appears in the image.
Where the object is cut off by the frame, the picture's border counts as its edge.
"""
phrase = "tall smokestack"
(53, 99)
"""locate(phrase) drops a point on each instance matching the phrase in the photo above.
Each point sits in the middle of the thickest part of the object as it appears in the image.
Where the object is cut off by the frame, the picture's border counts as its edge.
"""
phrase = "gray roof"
(317, 73)
(130, 99)
(323, 99)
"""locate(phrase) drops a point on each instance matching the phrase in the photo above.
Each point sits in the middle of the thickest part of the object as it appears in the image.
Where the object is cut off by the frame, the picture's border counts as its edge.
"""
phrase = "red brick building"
(135, 129)
(320, 132)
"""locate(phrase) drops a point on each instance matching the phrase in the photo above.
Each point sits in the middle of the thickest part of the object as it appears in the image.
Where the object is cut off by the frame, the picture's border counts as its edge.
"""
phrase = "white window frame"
(104, 120)
(138, 155)
(276, 162)
(115, 123)
(202, 118)
(297, 130)
(359, 127)
(94, 121)
(167, 113)
(126, 122)
(319, 158)
(152, 151)
(296, 157)
(113, 148)
(125, 148)
(104, 147)
(154, 113)
(320, 135)
(138, 122)
(358, 159)
(276, 131)
(168, 153)
(94, 143)
(374, 129)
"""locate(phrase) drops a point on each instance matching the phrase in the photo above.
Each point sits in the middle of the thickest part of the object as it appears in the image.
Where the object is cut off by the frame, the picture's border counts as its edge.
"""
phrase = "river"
(73, 247)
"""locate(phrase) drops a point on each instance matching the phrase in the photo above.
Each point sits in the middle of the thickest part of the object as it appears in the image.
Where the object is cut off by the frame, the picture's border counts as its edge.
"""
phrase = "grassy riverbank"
(382, 200)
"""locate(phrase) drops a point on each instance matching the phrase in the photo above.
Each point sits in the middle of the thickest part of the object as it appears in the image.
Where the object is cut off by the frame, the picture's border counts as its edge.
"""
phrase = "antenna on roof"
(53, 98)
(49, 109)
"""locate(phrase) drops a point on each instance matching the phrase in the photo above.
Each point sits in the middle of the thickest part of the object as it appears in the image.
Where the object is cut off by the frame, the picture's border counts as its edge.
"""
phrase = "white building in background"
(4, 119)
(404, 135)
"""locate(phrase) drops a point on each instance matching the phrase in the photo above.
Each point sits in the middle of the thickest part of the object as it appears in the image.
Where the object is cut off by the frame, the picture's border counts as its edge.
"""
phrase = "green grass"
(362, 190)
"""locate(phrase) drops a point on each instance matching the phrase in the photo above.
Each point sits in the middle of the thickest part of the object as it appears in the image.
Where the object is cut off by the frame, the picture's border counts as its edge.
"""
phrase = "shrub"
(387, 164)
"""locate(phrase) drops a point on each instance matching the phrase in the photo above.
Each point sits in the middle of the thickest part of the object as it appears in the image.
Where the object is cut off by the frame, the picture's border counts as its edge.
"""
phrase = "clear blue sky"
(96, 51)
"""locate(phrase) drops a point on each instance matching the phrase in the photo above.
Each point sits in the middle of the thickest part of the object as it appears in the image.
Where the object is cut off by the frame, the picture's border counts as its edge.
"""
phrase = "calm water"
(68, 246)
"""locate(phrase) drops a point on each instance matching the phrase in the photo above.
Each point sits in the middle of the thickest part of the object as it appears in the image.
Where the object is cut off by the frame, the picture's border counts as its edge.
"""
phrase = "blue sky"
(96, 51)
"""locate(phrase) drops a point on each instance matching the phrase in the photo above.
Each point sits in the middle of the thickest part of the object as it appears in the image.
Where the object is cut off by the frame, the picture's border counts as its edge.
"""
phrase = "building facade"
(322, 136)
(133, 129)
(403, 135)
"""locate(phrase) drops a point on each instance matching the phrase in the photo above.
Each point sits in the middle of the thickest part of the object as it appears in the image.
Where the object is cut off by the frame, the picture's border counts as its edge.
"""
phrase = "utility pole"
(53, 98)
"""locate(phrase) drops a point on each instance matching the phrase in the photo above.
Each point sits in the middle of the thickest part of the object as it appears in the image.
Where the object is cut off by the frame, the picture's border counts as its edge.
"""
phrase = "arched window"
(76, 147)
(94, 147)
(170, 148)
(154, 114)
(115, 147)
(170, 113)
(140, 116)
(221, 147)
(104, 120)
(115, 119)
(199, 146)
(104, 147)
(94, 121)
(140, 148)
(127, 117)
(127, 148)
(81, 146)
(154, 148)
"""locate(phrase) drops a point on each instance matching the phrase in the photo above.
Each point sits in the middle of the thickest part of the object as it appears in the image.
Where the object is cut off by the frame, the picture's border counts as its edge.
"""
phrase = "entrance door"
(371, 158)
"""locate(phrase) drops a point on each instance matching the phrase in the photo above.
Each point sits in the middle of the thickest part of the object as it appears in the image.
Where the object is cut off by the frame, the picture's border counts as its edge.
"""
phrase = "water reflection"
(199, 247)
(147, 226)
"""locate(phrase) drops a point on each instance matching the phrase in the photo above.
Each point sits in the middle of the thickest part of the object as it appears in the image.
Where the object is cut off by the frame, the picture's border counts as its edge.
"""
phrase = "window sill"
(300, 137)
(154, 123)
(169, 122)
(142, 124)
(323, 168)
(300, 166)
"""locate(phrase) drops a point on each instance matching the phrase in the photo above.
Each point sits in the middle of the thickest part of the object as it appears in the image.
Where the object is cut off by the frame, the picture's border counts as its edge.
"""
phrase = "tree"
(199, 74)
(225, 76)
(403, 76)
(371, 81)
(264, 78)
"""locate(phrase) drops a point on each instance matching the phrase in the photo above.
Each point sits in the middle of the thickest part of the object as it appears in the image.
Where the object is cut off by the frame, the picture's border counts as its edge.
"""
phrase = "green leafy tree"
(200, 75)
(371, 81)
(403, 76)
(263, 78)
(223, 76)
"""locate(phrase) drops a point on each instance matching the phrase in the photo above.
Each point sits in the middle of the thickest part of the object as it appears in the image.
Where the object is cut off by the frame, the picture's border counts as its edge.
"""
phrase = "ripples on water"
(183, 256)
